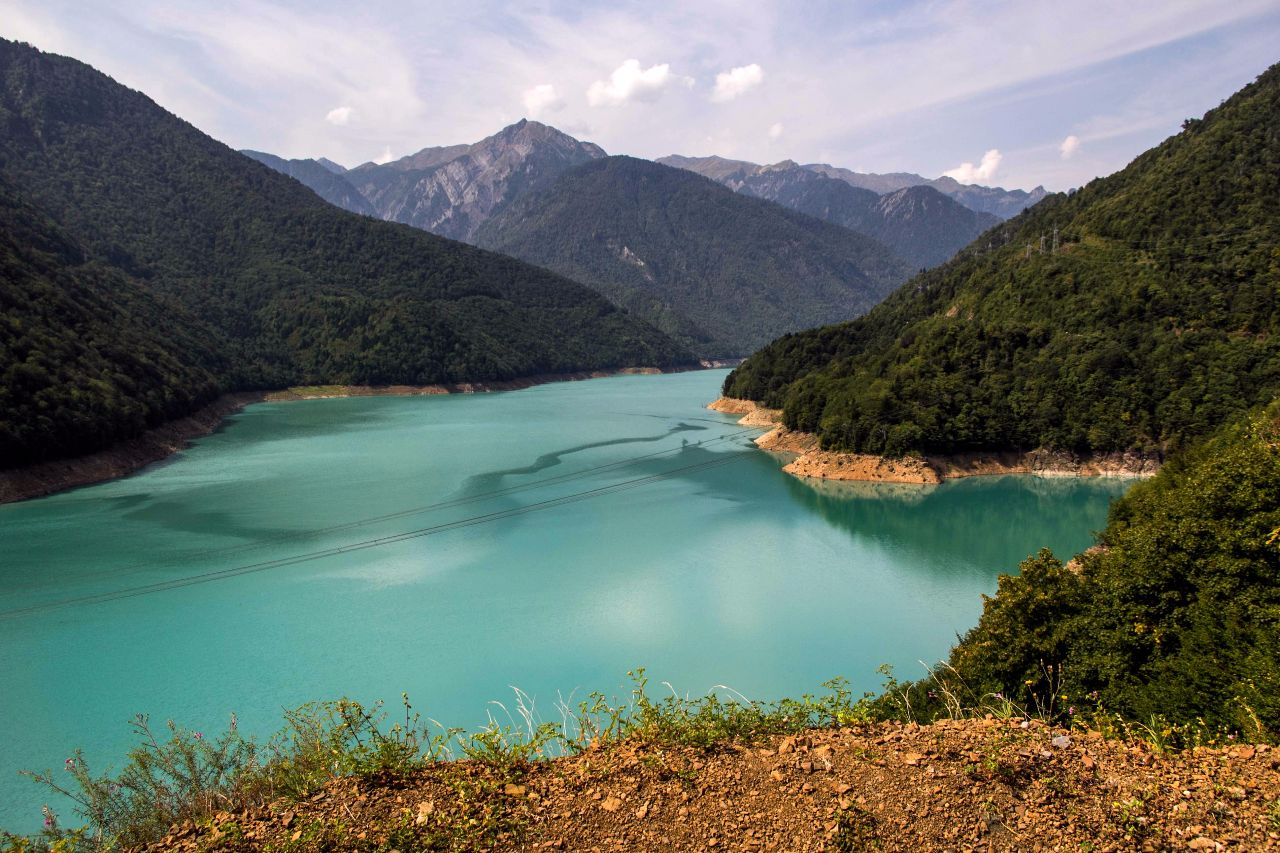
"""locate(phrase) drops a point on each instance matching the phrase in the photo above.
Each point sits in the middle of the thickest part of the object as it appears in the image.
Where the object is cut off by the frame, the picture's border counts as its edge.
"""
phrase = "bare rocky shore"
(811, 461)
(46, 478)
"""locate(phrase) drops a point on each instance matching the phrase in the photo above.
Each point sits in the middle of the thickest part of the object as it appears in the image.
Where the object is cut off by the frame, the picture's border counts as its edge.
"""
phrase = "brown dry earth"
(951, 786)
(813, 462)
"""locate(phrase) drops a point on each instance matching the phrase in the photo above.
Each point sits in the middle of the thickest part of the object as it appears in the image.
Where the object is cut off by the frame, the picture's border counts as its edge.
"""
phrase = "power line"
(236, 571)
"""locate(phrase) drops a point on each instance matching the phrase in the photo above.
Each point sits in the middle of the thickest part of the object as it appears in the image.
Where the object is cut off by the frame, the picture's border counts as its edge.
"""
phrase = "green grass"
(186, 776)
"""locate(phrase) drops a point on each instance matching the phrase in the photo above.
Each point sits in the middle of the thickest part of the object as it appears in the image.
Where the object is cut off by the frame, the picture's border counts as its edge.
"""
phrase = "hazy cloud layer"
(919, 85)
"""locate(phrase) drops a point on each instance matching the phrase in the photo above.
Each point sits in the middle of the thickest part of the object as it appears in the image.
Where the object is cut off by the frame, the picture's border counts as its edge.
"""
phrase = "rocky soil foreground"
(971, 785)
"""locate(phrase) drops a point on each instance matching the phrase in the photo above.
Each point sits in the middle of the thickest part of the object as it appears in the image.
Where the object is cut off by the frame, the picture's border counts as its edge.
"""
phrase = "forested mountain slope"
(293, 290)
(88, 356)
(723, 271)
(1157, 318)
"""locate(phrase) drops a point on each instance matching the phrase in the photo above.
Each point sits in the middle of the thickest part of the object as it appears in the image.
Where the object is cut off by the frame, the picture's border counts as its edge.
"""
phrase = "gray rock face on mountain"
(320, 177)
(336, 168)
(920, 224)
(452, 190)
(994, 200)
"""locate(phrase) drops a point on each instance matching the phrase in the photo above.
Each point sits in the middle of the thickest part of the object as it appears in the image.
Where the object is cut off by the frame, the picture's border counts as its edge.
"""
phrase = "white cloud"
(339, 115)
(736, 81)
(385, 157)
(541, 99)
(967, 173)
(775, 130)
(629, 82)
(1069, 146)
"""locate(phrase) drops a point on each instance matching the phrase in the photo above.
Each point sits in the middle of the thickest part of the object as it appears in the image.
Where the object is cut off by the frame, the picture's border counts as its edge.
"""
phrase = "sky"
(1013, 94)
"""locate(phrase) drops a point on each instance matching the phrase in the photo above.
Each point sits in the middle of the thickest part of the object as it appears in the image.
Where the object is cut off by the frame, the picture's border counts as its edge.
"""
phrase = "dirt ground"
(958, 786)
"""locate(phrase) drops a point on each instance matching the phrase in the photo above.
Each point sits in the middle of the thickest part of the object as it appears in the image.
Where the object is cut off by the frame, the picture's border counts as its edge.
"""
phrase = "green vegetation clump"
(1155, 321)
(190, 777)
(720, 271)
(1173, 622)
(225, 275)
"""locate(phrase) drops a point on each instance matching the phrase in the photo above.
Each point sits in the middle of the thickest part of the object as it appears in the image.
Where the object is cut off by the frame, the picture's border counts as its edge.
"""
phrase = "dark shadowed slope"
(723, 271)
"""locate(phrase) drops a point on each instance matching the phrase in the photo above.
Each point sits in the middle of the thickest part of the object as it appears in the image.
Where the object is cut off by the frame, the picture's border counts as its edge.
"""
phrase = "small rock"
(512, 790)
(611, 804)
(1061, 742)
(912, 759)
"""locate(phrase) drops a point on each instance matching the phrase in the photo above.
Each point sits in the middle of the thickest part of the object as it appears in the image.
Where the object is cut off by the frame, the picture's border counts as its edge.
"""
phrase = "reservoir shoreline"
(812, 462)
(156, 445)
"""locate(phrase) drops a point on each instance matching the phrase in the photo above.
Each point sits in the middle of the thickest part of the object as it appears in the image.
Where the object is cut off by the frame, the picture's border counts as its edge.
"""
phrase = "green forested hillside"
(88, 357)
(1177, 616)
(723, 271)
(1156, 320)
(289, 289)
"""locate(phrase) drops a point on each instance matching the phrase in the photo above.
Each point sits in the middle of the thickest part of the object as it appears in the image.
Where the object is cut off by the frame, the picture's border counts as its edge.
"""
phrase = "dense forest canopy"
(1176, 616)
(237, 277)
(721, 271)
(1155, 320)
(88, 356)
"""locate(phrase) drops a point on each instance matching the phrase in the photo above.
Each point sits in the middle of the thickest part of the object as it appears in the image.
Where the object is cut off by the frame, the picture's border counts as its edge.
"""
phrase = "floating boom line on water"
(251, 568)
(451, 503)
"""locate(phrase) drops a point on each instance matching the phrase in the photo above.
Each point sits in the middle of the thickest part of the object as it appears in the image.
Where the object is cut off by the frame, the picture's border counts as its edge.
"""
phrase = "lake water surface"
(548, 539)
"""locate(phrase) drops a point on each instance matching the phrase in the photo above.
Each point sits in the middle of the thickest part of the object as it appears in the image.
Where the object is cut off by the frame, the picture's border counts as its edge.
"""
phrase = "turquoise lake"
(556, 538)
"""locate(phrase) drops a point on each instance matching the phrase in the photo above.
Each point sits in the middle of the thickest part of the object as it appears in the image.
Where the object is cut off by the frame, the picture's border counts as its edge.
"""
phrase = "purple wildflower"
(1071, 710)
(199, 735)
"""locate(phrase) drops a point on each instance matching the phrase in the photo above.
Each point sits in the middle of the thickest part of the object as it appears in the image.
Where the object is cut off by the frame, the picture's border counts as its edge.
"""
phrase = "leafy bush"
(1173, 623)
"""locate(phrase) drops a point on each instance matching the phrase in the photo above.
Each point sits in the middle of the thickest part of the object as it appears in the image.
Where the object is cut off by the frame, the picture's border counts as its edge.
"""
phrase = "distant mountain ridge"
(323, 177)
(451, 191)
(994, 200)
(720, 270)
(920, 224)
